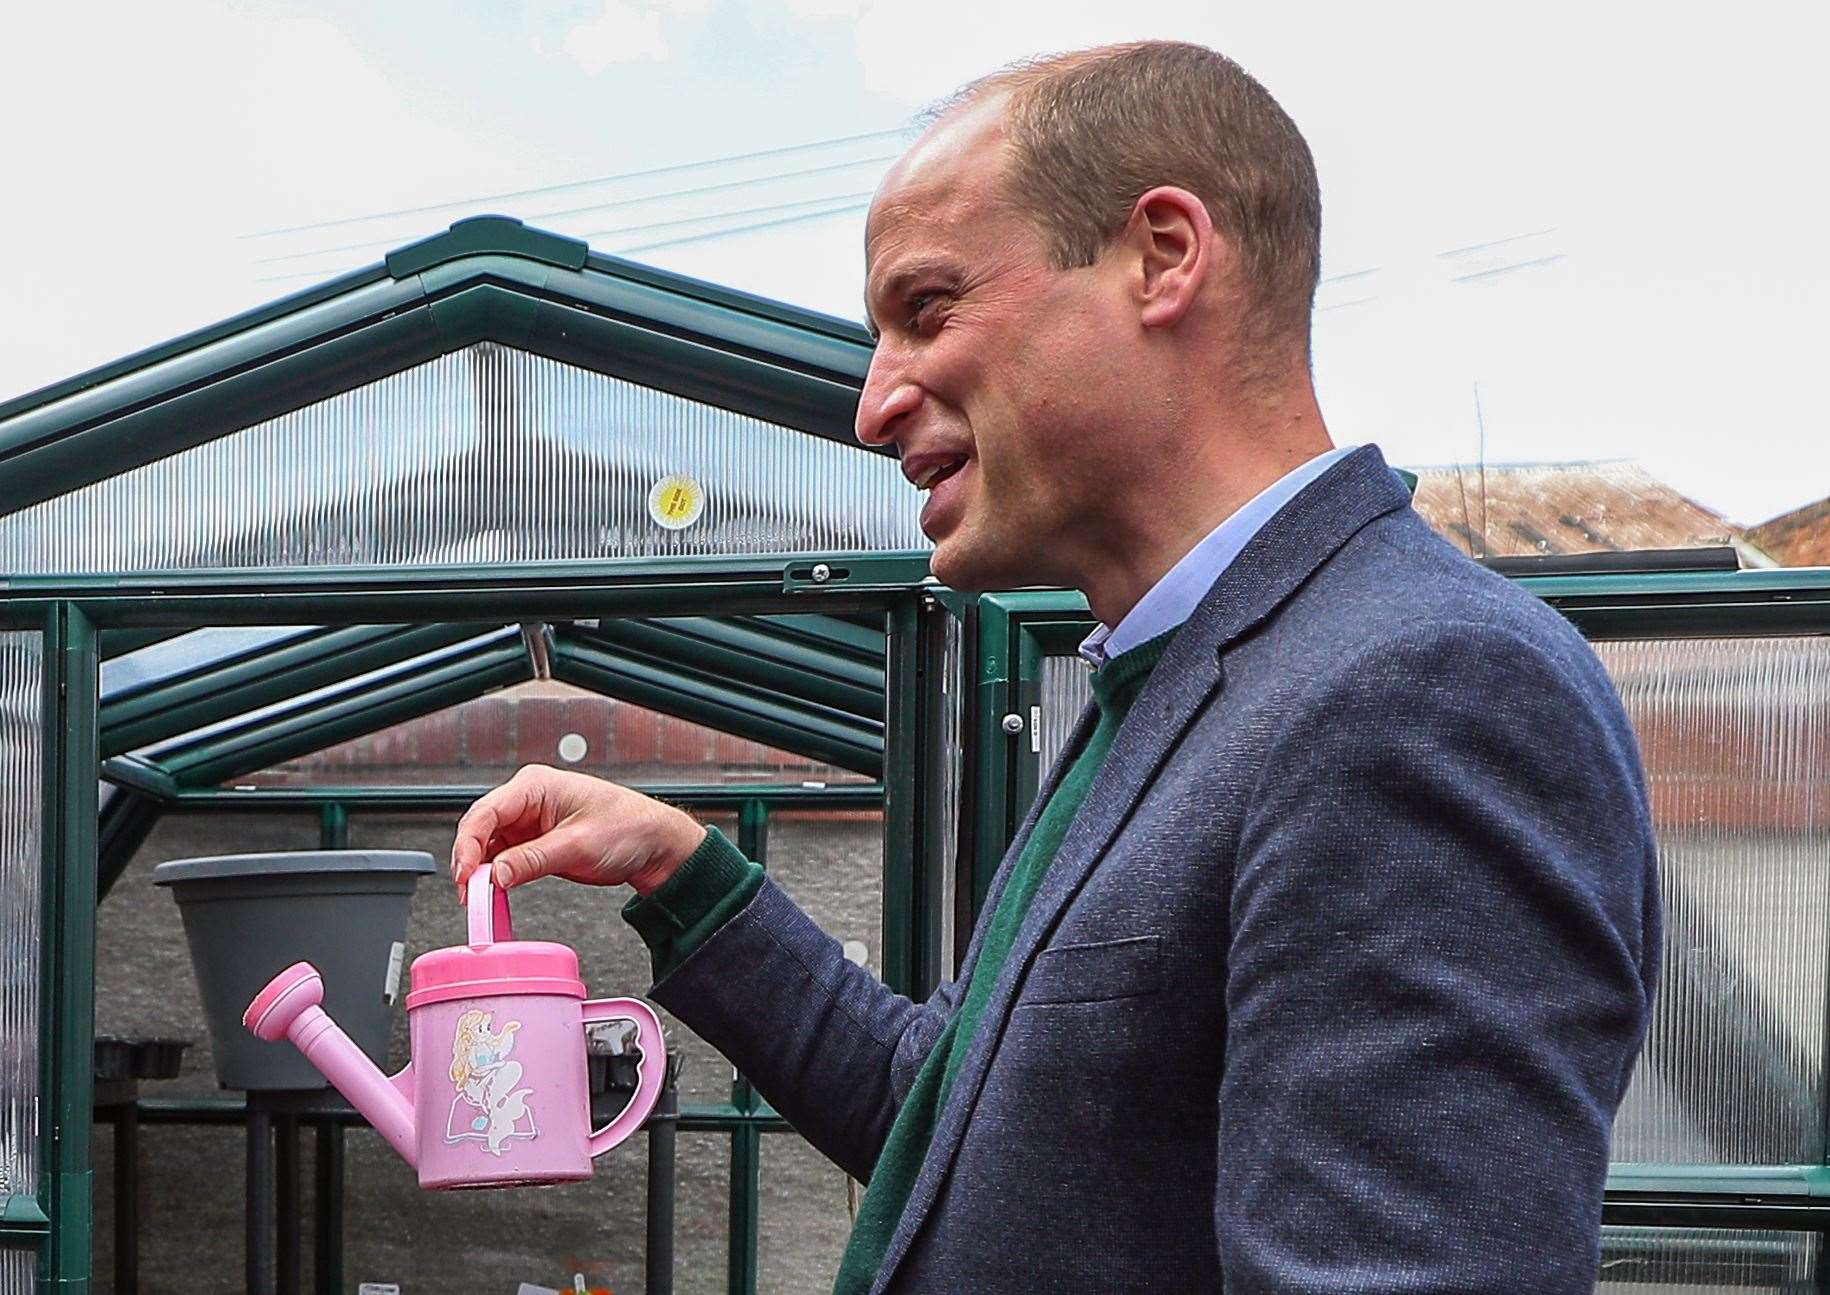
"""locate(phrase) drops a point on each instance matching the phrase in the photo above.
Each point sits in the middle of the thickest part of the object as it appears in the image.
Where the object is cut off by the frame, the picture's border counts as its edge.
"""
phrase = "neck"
(1160, 519)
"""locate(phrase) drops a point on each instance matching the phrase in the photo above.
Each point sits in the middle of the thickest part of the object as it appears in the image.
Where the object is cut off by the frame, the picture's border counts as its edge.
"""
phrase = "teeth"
(926, 479)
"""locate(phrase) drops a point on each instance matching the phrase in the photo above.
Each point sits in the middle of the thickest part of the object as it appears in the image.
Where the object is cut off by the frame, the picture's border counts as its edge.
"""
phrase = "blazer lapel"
(1284, 553)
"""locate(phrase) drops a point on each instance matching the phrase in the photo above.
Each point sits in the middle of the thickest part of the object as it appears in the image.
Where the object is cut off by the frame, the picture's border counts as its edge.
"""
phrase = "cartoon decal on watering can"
(496, 1093)
(489, 1107)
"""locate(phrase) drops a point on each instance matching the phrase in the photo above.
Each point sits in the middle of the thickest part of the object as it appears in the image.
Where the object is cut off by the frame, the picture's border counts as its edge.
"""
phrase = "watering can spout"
(289, 1008)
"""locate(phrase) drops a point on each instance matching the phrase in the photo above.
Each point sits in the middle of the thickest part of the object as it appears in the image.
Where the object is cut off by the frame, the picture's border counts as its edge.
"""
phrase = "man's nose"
(885, 400)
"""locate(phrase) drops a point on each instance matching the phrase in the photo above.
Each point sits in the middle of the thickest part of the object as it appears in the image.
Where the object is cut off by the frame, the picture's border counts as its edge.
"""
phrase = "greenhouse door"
(47, 934)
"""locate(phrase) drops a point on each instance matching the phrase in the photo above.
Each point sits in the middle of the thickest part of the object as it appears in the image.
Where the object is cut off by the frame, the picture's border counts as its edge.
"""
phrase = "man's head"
(1082, 263)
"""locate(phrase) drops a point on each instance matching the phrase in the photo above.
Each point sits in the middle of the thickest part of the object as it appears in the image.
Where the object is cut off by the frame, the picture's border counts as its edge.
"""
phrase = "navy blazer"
(1334, 984)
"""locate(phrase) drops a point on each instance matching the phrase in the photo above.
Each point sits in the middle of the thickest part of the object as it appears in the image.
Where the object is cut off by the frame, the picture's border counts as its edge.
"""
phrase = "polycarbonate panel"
(488, 454)
(16, 1271)
(21, 811)
(1067, 687)
(952, 771)
(1688, 1261)
(412, 667)
(1735, 735)
(175, 656)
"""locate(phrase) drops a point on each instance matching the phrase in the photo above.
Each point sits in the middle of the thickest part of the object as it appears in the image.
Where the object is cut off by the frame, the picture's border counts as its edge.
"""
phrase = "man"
(1323, 960)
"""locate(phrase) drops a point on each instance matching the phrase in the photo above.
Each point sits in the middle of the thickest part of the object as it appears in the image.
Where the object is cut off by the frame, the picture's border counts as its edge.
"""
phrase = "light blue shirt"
(1173, 599)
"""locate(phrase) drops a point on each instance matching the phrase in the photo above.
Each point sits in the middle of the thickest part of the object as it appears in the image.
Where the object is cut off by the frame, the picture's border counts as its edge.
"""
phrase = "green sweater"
(717, 881)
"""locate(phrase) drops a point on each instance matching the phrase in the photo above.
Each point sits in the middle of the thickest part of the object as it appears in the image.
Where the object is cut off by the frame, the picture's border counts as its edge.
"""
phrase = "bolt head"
(1013, 724)
(821, 573)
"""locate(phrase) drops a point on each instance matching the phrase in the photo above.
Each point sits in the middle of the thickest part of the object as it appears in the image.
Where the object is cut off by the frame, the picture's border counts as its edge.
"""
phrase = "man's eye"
(924, 311)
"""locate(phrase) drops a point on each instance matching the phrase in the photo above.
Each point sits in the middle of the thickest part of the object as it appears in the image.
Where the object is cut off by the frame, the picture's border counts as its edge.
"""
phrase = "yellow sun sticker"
(675, 501)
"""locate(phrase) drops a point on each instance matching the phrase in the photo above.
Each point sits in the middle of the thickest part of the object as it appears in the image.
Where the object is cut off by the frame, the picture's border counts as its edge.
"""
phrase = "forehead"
(941, 192)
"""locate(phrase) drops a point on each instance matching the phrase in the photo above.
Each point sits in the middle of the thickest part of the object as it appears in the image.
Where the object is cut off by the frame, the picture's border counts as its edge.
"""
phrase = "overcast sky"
(1607, 217)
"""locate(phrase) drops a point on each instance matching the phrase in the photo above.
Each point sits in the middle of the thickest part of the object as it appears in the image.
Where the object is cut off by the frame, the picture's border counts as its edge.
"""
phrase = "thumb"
(523, 863)
(567, 851)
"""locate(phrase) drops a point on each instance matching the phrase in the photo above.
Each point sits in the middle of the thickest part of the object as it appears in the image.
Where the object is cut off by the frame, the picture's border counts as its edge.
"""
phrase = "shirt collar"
(1173, 599)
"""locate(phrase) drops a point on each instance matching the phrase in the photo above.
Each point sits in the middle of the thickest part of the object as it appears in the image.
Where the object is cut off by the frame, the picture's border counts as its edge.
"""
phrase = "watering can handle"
(651, 1070)
(488, 903)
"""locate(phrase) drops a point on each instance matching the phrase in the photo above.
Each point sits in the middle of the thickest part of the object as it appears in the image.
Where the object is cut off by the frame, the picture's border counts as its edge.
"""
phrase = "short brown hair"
(1094, 130)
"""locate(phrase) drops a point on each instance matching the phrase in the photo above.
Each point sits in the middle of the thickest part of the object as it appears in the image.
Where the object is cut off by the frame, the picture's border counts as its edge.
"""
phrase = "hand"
(553, 822)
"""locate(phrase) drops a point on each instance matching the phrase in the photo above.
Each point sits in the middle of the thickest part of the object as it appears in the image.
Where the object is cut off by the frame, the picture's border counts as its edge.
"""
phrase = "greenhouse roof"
(465, 444)
(486, 279)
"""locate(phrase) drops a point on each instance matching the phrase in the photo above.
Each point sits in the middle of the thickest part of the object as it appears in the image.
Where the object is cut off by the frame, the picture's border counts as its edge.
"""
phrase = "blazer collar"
(1305, 533)
(1285, 553)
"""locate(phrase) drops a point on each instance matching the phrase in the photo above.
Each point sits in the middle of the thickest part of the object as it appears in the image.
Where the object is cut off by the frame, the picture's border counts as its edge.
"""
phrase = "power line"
(697, 190)
(850, 202)
(1498, 242)
(580, 184)
(728, 184)
(1507, 269)
(742, 229)
(770, 209)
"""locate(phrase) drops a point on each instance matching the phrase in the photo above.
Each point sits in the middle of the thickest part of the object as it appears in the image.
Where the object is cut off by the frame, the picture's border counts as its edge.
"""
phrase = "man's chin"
(952, 565)
(969, 567)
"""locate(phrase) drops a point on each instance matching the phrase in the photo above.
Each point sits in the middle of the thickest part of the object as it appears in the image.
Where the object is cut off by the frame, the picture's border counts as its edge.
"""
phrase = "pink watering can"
(496, 1094)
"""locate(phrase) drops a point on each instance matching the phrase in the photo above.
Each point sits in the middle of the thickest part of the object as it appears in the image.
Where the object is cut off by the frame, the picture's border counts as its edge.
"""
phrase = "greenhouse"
(316, 578)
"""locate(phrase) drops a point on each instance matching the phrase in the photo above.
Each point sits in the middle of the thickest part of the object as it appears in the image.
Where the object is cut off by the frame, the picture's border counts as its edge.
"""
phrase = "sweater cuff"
(705, 892)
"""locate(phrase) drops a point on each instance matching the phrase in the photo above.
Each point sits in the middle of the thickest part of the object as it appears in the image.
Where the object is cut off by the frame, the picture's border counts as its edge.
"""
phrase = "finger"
(462, 865)
(491, 848)
(474, 830)
(480, 823)
(513, 807)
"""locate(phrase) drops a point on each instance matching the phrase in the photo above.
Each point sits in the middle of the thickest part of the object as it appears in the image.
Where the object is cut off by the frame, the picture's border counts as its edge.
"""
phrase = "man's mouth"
(939, 472)
(945, 486)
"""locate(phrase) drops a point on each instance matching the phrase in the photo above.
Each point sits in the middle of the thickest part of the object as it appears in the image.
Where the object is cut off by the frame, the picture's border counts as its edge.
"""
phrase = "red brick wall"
(492, 736)
(1711, 769)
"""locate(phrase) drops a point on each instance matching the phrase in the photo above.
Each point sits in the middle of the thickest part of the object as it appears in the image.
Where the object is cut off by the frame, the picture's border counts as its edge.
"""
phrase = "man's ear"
(1171, 240)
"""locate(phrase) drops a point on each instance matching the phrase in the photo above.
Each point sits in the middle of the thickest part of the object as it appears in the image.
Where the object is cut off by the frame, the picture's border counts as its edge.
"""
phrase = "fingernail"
(500, 873)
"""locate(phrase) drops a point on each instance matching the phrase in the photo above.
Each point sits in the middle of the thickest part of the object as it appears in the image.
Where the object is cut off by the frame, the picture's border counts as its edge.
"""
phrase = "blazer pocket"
(1095, 972)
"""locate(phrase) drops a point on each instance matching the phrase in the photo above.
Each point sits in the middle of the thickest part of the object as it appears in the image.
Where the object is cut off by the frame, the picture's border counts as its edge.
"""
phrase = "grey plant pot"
(249, 916)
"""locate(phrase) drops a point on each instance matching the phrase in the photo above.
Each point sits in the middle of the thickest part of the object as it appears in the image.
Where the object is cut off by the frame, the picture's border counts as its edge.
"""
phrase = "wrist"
(682, 841)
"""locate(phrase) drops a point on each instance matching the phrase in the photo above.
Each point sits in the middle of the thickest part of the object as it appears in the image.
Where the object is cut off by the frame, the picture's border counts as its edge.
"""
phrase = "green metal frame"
(817, 686)
(810, 685)
(1013, 632)
(839, 669)
(912, 953)
(404, 691)
(941, 712)
(530, 591)
(126, 820)
(66, 1007)
(719, 797)
(156, 711)
(817, 683)
(74, 615)
(632, 661)
(487, 279)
